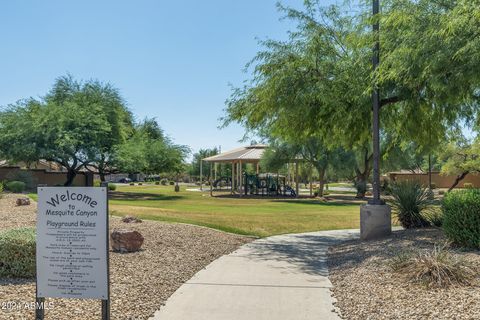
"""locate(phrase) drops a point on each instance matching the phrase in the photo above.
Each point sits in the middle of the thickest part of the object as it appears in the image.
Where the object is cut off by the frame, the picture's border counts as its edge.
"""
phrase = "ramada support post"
(201, 174)
(375, 217)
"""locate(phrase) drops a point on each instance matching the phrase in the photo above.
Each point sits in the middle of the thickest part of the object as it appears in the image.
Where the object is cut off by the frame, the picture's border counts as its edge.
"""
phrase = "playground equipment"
(267, 184)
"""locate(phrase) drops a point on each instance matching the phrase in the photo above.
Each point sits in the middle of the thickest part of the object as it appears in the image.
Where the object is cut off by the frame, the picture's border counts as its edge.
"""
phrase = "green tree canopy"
(319, 82)
(149, 151)
(75, 125)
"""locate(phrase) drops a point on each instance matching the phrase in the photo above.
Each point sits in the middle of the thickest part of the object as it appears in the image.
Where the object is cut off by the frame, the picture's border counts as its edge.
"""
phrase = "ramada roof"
(251, 153)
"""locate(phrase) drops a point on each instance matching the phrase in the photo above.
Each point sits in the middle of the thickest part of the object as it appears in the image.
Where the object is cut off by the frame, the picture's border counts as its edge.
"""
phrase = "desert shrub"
(439, 267)
(15, 186)
(17, 253)
(21, 175)
(112, 187)
(410, 203)
(172, 183)
(164, 182)
(461, 217)
(468, 185)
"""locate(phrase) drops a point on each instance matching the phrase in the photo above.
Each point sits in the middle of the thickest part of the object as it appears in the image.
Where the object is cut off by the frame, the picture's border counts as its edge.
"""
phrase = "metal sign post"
(106, 302)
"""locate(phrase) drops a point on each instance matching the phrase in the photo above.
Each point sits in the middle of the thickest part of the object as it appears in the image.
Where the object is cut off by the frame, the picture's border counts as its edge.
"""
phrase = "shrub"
(164, 182)
(461, 217)
(112, 187)
(468, 185)
(433, 186)
(1, 189)
(15, 186)
(172, 183)
(17, 253)
(97, 183)
(132, 184)
(441, 192)
(140, 183)
(157, 183)
(23, 176)
(435, 268)
(410, 200)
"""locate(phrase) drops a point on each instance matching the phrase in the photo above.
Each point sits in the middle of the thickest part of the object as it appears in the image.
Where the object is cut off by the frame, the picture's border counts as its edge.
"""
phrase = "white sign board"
(72, 242)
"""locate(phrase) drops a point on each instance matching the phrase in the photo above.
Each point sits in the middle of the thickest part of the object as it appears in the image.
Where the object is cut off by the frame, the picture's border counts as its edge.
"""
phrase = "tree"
(310, 151)
(107, 98)
(461, 158)
(149, 151)
(319, 81)
(197, 157)
(76, 125)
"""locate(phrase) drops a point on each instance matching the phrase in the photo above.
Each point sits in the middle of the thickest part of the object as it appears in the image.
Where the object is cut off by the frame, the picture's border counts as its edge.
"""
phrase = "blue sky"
(172, 60)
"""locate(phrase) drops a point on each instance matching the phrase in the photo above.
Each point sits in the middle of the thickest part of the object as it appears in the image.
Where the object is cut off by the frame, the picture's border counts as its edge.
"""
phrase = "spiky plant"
(409, 200)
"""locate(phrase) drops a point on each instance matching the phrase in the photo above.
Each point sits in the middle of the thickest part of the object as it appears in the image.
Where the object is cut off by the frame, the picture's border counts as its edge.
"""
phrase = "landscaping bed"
(366, 287)
(140, 282)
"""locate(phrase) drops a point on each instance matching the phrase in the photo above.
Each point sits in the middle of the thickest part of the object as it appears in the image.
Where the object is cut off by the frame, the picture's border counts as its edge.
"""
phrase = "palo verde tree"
(75, 125)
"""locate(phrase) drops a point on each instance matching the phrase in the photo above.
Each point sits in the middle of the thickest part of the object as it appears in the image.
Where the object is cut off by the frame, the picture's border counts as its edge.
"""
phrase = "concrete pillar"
(375, 221)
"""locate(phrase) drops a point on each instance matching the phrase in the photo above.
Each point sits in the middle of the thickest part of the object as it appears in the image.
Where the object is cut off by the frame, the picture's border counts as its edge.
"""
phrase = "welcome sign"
(72, 253)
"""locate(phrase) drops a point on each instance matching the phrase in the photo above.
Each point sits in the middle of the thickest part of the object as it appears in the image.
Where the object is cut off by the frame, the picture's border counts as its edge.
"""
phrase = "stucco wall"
(440, 181)
(50, 178)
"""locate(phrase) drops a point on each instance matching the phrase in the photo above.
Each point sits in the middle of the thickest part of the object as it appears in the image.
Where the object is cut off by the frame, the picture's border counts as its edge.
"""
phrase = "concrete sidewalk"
(280, 277)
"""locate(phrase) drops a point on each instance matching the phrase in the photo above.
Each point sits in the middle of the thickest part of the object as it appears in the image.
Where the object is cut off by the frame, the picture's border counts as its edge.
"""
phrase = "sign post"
(72, 245)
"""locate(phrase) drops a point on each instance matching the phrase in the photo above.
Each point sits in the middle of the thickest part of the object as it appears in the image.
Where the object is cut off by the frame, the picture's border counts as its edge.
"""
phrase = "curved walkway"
(280, 277)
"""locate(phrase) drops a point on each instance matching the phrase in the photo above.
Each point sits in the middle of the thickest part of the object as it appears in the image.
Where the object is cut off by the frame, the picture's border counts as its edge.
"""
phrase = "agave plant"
(410, 203)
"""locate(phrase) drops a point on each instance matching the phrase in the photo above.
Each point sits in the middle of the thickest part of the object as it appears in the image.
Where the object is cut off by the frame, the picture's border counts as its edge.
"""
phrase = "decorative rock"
(131, 219)
(124, 240)
(23, 202)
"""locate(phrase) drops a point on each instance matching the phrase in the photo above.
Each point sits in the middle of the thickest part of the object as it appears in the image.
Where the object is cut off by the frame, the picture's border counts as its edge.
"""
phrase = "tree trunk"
(360, 181)
(321, 178)
(101, 173)
(430, 171)
(71, 173)
(362, 176)
(458, 179)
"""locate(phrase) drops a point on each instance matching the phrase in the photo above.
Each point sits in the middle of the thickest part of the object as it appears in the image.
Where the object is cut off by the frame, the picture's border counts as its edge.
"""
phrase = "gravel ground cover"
(140, 282)
(365, 288)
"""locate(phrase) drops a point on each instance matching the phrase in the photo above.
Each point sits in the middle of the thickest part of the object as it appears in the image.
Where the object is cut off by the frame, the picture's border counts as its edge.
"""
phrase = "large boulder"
(123, 240)
(23, 202)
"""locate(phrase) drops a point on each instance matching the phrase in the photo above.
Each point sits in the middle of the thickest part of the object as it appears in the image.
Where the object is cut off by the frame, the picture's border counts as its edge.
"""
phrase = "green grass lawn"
(250, 216)
(258, 217)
